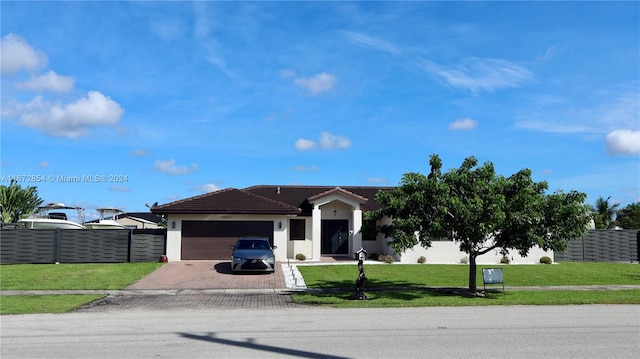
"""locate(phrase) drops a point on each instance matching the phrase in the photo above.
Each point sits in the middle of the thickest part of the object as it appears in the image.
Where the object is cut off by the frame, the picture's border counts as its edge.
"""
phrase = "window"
(369, 231)
(296, 229)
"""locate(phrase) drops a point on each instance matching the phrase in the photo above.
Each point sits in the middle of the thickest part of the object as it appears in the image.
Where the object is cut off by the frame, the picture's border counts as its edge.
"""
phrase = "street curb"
(294, 290)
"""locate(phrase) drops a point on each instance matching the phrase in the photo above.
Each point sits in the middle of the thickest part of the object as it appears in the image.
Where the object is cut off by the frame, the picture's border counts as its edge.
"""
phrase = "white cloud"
(368, 42)
(139, 153)
(303, 144)
(170, 167)
(482, 74)
(547, 55)
(463, 124)
(623, 142)
(285, 74)
(119, 189)
(279, 116)
(553, 127)
(376, 180)
(208, 188)
(17, 55)
(327, 141)
(43, 164)
(616, 111)
(316, 84)
(48, 82)
(72, 120)
(302, 168)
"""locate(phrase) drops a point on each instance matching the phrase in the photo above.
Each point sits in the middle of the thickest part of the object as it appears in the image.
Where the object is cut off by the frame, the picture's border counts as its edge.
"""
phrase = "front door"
(335, 236)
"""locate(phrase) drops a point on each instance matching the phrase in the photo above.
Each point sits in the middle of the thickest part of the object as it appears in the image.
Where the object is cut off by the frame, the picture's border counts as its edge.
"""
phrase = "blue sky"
(126, 103)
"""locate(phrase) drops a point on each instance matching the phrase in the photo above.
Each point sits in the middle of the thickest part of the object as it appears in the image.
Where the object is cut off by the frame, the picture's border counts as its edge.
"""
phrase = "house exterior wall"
(448, 252)
(130, 223)
(301, 246)
(440, 252)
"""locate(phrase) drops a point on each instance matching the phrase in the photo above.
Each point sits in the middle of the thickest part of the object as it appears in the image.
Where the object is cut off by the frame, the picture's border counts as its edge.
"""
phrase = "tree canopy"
(481, 210)
(17, 202)
(629, 217)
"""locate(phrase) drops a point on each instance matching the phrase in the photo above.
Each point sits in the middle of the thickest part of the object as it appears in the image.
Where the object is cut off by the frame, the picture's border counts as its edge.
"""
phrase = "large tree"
(480, 210)
(604, 213)
(17, 202)
(629, 217)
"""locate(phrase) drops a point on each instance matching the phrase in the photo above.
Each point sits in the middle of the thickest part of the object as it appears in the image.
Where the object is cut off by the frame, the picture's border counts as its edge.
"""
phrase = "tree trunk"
(472, 272)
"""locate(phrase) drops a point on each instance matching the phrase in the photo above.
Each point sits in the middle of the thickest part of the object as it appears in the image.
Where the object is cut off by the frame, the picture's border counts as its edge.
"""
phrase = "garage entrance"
(202, 240)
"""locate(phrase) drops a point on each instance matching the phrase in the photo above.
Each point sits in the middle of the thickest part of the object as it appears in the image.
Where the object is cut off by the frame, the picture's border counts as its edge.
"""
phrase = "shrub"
(389, 259)
(422, 259)
(300, 257)
(464, 260)
(505, 260)
(373, 256)
(545, 260)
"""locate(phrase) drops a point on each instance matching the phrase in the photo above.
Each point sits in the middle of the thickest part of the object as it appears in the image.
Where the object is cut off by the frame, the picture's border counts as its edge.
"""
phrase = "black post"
(359, 292)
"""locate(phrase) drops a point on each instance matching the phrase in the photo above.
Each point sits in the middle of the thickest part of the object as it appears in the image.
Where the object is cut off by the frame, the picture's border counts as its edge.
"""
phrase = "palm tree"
(17, 202)
(604, 213)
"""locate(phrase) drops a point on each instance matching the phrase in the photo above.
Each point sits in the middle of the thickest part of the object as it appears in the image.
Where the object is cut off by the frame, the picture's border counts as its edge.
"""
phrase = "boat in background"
(108, 219)
(55, 215)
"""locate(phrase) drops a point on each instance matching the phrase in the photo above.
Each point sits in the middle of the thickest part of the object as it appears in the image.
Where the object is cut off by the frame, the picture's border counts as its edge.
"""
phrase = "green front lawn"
(64, 277)
(417, 298)
(380, 277)
(73, 276)
(436, 275)
(30, 304)
(427, 283)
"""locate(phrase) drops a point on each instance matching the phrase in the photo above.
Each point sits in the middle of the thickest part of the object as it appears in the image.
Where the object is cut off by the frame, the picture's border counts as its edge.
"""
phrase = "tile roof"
(227, 201)
(266, 199)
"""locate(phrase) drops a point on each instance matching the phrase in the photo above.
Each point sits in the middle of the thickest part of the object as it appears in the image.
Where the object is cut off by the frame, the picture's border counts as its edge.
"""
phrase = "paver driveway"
(208, 274)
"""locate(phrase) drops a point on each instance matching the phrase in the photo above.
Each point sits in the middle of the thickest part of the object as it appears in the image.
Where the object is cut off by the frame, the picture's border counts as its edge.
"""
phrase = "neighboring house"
(137, 220)
(141, 220)
(311, 220)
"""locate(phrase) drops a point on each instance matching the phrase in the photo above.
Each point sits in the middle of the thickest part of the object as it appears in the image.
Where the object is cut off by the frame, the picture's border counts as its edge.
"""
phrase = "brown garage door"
(212, 239)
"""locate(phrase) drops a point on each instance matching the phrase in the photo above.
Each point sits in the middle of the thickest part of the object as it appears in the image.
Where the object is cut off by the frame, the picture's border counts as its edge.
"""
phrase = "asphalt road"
(589, 331)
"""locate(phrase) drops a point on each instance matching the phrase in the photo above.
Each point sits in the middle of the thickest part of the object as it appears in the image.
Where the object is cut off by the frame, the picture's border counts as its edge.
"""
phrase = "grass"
(418, 298)
(380, 278)
(436, 275)
(29, 304)
(425, 280)
(64, 277)
(110, 276)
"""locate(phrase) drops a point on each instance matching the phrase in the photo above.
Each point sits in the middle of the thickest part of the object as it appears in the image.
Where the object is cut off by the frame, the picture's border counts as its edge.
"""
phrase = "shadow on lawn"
(406, 293)
(370, 283)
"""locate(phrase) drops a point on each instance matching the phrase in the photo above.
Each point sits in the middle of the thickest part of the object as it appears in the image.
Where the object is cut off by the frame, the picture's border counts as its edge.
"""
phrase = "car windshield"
(252, 245)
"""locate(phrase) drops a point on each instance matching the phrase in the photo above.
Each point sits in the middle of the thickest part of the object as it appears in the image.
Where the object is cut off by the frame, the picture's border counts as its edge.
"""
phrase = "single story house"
(137, 220)
(311, 220)
(141, 220)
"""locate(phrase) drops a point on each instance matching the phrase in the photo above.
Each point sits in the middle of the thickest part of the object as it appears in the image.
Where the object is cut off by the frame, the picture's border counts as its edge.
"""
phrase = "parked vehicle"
(108, 219)
(55, 215)
(253, 254)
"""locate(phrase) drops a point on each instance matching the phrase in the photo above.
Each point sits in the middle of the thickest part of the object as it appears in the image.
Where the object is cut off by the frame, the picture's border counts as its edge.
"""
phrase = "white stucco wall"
(301, 246)
(449, 252)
